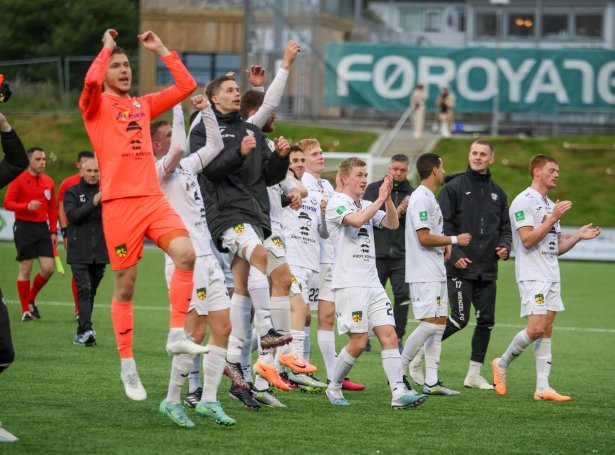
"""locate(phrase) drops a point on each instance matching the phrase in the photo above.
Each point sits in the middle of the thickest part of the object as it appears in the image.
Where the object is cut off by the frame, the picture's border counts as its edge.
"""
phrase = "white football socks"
(180, 367)
(391, 362)
(214, 362)
(326, 344)
(521, 341)
(542, 353)
(433, 349)
(342, 367)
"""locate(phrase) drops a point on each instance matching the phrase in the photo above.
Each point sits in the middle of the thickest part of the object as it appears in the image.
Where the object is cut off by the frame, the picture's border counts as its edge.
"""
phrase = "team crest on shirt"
(239, 228)
(121, 250)
(438, 300)
(47, 194)
(277, 241)
(201, 293)
(540, 299)
(494, 197)
(357, 316)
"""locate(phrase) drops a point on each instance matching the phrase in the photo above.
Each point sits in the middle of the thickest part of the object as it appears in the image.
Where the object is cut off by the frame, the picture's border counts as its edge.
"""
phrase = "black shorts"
(32, 240)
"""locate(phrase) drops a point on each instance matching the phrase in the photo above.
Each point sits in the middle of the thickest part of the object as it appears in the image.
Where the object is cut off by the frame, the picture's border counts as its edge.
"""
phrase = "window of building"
(203, 66)
(588, 25)
(555, 25)
(461, 20)
(410, 20)
(433, 21)
(485, 25)
(521, 24)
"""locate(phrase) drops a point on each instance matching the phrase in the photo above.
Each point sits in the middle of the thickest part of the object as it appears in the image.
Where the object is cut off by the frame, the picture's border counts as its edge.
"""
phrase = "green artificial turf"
(59, 398)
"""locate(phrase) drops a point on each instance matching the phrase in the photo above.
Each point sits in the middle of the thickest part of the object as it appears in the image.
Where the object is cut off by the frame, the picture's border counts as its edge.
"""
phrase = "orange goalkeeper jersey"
(119, 128)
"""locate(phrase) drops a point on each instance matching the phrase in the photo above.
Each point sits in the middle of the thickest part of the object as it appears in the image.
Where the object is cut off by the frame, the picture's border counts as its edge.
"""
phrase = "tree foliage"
(49, 28)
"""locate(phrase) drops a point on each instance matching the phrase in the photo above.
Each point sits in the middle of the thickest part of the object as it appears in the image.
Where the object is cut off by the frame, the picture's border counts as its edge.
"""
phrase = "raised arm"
(92, 90)
(213, 145)
(273, 96)
(184, 83)
(178, 141)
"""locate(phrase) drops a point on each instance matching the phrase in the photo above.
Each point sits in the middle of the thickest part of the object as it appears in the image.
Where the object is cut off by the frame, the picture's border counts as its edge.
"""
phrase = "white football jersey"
(301, 232)
(423, 264)
(355, 253)
(275, 192)
(182, 190)
(327, 255)
(540, 262)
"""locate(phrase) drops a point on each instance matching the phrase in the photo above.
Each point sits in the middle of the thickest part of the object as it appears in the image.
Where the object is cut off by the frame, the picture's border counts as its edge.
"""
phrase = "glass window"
(432, 21)
(410, 20)
(225, 63)
(203, 67)
(461, 20)
(485, 24)
(589, 25)
(555, 25)
(521, 24)
(200, 66)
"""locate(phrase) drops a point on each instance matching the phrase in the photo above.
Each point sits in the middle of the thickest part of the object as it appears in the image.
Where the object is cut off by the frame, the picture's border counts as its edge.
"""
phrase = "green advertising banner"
(529, 80)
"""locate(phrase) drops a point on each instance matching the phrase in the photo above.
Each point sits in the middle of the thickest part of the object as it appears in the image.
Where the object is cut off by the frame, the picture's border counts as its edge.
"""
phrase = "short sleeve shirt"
(423, 264)
(355, 253)
(539, 263)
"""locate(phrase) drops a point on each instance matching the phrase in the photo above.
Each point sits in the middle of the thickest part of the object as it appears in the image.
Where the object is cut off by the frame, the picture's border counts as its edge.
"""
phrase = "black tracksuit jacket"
(86, 240)
(473, 203)
(235, 187)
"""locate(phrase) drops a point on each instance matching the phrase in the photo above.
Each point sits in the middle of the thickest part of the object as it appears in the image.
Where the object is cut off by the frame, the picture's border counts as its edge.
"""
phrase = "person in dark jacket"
(234, 188)
(87, 251)
(472, 202)
(390, 244)
(15, 161)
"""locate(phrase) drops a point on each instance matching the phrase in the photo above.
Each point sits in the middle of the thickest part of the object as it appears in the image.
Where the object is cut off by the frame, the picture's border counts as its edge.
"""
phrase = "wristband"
(453, 240)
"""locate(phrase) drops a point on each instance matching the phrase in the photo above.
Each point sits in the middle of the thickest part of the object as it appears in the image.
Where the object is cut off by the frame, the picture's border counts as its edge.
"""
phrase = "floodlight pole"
(495, 117)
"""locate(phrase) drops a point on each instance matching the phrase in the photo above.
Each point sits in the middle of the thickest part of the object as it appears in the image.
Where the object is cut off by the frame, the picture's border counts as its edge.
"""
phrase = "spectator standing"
(87, 251)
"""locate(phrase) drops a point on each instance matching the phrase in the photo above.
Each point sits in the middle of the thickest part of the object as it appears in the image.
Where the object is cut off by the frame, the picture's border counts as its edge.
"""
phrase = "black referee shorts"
(32, 240)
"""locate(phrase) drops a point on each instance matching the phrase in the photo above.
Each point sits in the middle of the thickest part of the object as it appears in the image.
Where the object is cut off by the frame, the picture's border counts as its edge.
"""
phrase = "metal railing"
(394, 131)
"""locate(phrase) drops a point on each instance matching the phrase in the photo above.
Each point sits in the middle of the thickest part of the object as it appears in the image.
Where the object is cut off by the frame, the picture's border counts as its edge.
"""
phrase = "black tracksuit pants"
(87, 278)
(462, 293)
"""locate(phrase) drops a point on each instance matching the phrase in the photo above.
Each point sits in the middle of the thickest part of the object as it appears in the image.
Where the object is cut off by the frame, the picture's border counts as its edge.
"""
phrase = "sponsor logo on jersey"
(341, 209)
(540, 299)
(423, 216)
(82, 198)
(201, 293)
(438, 301)
(519, 216)
(362, 233)
(357, 316)
(133, 126)
(494, 197)
(277, 241)
(124, 116)
(121, 250)
(239, 228)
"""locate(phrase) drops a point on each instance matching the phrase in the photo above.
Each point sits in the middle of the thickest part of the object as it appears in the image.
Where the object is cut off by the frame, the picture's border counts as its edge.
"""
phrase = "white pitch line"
(508, 326)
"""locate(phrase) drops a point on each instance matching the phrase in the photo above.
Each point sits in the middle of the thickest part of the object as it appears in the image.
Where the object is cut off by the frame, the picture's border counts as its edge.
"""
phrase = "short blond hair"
(346, 166)
(308, 143)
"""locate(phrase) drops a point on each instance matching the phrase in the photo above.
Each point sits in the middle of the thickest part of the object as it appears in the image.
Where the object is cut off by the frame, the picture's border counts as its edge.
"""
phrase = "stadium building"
(535, 67)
